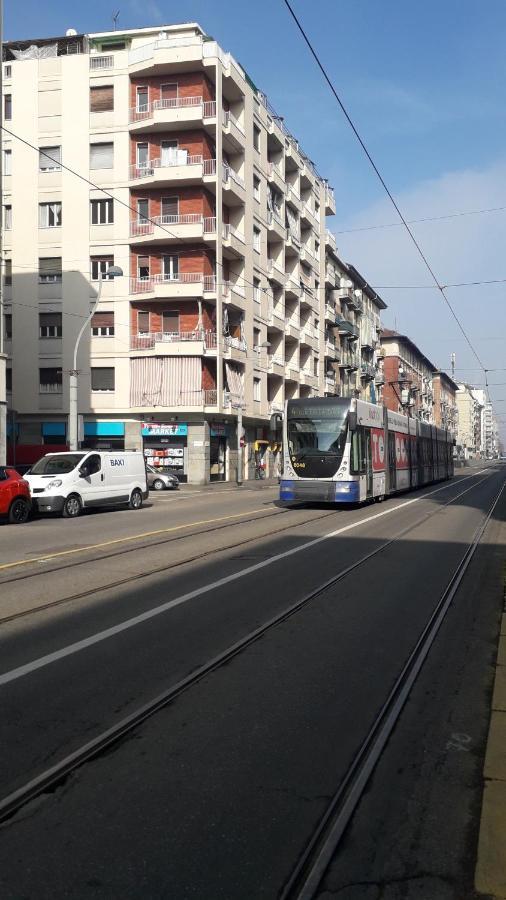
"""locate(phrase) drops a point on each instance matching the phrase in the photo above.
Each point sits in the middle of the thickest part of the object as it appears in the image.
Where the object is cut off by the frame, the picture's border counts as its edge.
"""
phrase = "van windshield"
(57, 465)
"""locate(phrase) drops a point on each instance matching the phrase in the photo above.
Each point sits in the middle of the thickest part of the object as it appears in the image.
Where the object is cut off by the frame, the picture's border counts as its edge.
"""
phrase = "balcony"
(275, 226)
(292, 327)
(330, 201)
(276, 365)
(292, 245)
(348, 329)
(293, 290)
(293, 198)
(162, 229)
(276, 318)
(234, 348)
(309, 378)
(309, 216)
(330, 313)
(330, 240)
(331, 384)
(174, 343)
(182, 169)
(331, 349)
(234, 190)
(173, 113)
(234, 136)
(292, 371)
(367, 370)
(154, 57)
(276, 272)
(349, 362)
(184, 285)
(348, 296)
(275, 175)
(233, 292)
(100, 63)
(233, 241)
(330, 276)
(308, 336)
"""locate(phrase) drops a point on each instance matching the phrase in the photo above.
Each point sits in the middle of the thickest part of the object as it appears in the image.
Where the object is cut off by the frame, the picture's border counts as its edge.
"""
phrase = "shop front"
(165, 447)
(103, 436)
(218, 451)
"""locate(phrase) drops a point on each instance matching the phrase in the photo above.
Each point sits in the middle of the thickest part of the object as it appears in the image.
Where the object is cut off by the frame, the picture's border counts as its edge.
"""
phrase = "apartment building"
(445, 402)
(488, 444)
(217, 219)
(469, 421)
(352, 328)
(408, 376)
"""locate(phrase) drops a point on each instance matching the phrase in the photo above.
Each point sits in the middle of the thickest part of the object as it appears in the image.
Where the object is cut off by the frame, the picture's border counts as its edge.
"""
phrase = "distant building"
(469, 408)
(408, 376)
(445, 402)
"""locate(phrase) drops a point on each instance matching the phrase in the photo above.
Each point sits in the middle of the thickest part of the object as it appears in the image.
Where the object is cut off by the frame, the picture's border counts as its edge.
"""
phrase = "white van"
(67, 482)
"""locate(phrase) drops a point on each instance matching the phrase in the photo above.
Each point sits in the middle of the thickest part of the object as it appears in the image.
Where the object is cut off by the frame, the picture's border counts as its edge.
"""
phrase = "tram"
(342, 450)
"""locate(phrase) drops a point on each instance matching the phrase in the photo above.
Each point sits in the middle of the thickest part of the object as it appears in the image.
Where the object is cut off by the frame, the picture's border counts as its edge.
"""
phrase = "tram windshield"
(317, 436)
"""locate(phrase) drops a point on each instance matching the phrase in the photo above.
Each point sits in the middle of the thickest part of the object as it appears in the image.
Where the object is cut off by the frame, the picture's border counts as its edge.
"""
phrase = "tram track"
(56, 775)
(166, 567)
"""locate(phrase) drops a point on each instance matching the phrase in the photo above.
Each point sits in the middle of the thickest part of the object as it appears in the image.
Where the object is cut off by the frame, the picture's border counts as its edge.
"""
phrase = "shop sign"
(220, 429)
(162, 429)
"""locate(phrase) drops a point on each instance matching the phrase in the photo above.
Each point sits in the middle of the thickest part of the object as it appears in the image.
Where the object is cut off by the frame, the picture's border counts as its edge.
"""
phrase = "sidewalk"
(490, 876)
(251, 484)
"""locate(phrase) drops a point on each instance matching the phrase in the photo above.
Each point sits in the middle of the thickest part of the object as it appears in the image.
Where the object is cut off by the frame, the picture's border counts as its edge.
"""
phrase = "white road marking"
(107, 633)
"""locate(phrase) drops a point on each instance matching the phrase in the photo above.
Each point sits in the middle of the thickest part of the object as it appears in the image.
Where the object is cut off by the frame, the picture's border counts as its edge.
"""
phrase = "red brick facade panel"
(191, 201)
(208, 374)
(189, 84)
(196, 143)
(188, 315)
(197, 261)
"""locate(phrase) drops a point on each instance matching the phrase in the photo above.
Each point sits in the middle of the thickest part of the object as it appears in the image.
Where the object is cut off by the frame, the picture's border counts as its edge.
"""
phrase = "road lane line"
(122, 540)
(107, 633)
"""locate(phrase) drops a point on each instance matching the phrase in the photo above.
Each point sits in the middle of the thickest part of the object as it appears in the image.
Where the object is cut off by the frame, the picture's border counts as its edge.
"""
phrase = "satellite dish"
(70, 32)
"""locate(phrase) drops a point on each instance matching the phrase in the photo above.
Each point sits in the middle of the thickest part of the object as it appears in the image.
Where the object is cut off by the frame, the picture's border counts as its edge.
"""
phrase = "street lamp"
(264, 345)
(112, 272)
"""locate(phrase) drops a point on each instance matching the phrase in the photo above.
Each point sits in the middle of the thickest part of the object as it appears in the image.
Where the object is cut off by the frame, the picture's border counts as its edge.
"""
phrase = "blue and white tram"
(341, 450)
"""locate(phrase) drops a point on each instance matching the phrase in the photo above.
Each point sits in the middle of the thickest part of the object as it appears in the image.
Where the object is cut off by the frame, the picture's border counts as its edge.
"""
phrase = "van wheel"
(72, 507)
(19, 511)
(135, 499)
(158, 484)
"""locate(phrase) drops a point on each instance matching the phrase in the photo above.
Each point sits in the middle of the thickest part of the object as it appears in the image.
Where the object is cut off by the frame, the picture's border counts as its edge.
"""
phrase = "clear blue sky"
(425, 84)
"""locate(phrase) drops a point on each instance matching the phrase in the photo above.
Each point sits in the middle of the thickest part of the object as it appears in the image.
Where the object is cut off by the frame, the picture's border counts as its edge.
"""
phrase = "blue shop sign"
(52, 429)
(164, 429)
(104, 429)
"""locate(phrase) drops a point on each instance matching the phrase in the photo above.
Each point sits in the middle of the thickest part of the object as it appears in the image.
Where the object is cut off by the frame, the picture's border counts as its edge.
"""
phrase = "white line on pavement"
(107, 633)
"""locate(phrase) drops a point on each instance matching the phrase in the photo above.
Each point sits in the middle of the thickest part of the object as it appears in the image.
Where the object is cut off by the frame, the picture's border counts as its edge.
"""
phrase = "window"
(142, 99)
(50, 270)
(102, 156)
(50, 215)
(7, 71)
(170, 209)
(257, 290)
(142, 210)
(142, 155)
(257, 389)
(8, 218)
(170, 322)
(102, 379)
(106, 48)
(50, 325)
(317, 209)
(100, 266)
(102, 212)
(102, 98)
(49, 159)
(8, 326)
(7, 162)
(7, 271)
(315, 367)
(256, 239)
(256, 137)
(142, 322)
(317, 247)
(93, 464)
(256, 187)
(102, 324)
(7, 106)
(50, 381)
(256, 337)
(142, 267)
(170, 268)
(8, 380)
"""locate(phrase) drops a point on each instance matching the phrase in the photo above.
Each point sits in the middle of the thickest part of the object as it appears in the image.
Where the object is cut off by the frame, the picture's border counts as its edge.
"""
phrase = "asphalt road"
(216, 796)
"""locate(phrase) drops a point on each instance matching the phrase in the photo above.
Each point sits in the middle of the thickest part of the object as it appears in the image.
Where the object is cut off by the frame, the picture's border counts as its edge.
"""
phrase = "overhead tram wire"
(456, 215)
(383, 183)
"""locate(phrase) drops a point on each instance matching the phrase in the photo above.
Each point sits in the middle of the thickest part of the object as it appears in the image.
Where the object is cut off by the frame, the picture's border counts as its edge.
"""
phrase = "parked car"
(67, 482)
(15, 500)
(161, 481)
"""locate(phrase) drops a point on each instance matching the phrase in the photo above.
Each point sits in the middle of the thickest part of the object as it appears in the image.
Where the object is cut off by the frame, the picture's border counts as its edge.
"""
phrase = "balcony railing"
(139, 227)
(275, 217)
(230, 175)
(141, 112)
(235, 343)
(147, 170)
(229, 117)
(148, 341)
(231, 231)
(54, 388)
(101, 62)
(145, 285)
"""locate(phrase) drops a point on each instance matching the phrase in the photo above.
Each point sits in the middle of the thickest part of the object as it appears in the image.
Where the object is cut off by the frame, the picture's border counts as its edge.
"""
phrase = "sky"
(425, 86)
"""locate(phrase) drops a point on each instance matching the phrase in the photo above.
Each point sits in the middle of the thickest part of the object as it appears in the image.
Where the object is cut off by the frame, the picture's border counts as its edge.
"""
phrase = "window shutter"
(50, 319)
(101, 156)
(103, 320)
(50, 265)
(49, 159)
(102, 98)
(170, 206)
(102, 379)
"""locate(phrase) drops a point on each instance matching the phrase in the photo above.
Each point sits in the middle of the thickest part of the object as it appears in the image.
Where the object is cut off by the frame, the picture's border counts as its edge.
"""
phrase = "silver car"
(161, 481)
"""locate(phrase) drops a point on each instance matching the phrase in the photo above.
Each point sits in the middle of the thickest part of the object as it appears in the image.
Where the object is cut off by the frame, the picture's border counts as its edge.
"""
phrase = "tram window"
(356, 452)
(365, 447)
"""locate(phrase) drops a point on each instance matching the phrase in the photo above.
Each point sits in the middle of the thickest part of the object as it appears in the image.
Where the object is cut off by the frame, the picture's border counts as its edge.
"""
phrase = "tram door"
(392, 472)
(367, 451)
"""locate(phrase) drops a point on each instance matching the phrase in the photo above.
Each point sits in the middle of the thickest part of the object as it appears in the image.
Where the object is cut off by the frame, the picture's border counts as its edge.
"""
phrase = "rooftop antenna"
(115, 17)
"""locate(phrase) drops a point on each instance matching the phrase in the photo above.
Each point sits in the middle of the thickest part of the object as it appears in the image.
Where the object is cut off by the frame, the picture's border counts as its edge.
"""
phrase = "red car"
(15, 500)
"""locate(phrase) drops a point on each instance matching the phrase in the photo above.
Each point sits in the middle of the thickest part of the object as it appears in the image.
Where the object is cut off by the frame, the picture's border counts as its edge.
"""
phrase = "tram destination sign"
(317, 411)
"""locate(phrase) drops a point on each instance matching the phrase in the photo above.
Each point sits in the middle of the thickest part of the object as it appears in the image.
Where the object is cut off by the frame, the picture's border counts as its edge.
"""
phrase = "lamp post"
(112, 272)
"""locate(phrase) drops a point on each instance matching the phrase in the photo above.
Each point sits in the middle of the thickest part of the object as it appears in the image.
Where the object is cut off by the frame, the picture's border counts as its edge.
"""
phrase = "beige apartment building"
(218, 221)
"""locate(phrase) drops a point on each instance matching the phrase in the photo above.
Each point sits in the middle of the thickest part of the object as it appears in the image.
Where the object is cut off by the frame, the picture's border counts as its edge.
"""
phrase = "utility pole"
(239, 443)
(3, 357)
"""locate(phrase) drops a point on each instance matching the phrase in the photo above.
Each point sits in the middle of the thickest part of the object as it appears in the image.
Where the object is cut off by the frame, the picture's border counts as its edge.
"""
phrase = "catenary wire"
(456, 215)
(383, 182)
